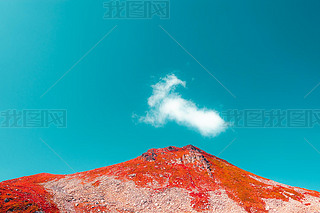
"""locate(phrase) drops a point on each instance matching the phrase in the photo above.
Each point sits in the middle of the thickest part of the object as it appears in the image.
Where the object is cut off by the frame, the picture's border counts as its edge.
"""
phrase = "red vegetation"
(200, 201)
(27, 195)
(85, 207)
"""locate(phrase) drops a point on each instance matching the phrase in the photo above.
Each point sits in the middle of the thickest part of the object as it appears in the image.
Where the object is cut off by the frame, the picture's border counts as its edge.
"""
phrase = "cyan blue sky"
(265, 52)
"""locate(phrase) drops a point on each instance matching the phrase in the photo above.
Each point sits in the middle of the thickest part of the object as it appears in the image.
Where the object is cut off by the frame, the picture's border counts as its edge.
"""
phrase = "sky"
(128, 85)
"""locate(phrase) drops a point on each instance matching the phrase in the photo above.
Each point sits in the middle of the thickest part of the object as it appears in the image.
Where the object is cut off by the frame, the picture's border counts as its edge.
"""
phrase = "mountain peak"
(151, 154)
(170, 179)
(174, 155)
(191, 147)
(187, 155)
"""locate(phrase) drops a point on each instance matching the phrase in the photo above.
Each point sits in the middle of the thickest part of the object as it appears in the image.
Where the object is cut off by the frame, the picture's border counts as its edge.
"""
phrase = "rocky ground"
(112, 195)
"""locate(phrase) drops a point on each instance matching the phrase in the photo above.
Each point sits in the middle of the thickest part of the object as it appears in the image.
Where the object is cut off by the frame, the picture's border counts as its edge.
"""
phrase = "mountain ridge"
(170, 179)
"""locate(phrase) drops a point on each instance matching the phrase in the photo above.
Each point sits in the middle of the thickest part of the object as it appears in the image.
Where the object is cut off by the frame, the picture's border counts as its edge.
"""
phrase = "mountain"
(169, 179)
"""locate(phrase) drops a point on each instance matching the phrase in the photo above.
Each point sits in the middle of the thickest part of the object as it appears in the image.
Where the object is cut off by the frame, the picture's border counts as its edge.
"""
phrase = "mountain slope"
(171, 179)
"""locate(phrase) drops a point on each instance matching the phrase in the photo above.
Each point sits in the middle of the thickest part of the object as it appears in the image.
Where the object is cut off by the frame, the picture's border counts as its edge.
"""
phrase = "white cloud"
(166, 104)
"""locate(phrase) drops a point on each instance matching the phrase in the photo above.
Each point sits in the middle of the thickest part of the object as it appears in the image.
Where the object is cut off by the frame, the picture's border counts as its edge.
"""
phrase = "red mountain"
(161, 180)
